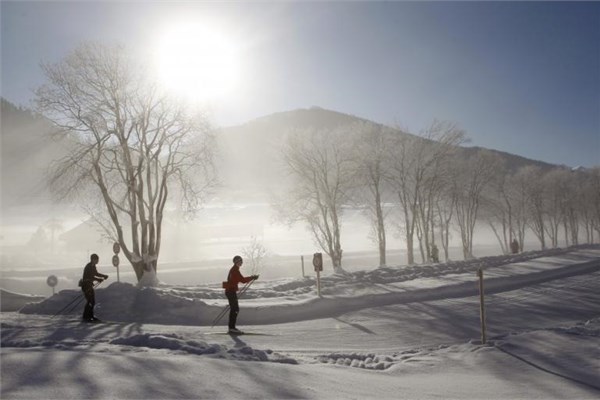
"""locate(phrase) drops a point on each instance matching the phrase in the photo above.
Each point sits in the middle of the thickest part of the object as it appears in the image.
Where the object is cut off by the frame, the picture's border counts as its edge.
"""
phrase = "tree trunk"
(381, 240)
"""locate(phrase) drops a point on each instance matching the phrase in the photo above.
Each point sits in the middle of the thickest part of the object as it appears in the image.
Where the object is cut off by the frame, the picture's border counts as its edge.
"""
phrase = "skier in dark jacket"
(231, 289)
(90, 275)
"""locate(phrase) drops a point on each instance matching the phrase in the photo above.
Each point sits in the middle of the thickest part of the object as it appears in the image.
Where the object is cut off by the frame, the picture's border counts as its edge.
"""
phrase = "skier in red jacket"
(231, 289)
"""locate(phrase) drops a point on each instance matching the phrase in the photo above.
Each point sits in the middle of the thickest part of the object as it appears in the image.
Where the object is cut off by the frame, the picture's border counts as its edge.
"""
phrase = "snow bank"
(290, 300)
(180, 344)
(11, 301)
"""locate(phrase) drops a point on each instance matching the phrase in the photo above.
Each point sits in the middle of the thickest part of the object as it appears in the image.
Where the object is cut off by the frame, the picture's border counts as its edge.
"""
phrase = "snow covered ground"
(396, 332)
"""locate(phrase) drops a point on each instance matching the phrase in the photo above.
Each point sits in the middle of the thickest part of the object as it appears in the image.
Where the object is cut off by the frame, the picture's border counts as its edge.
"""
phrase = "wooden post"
(481, 305)
(302, 260)
(318, 264)
(319, 283)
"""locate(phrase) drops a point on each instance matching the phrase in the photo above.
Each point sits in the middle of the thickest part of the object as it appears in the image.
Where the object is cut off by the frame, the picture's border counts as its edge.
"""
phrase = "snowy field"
(396, 332)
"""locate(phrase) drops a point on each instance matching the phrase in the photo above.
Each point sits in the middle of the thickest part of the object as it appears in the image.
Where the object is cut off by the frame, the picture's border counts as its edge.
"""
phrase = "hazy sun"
(198, 62)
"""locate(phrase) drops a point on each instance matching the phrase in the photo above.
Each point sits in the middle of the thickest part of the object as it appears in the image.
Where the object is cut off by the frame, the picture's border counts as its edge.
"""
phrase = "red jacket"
(234, 278)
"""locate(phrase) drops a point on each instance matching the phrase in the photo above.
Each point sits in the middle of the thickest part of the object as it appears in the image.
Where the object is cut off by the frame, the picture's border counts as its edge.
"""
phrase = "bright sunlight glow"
(198, 62)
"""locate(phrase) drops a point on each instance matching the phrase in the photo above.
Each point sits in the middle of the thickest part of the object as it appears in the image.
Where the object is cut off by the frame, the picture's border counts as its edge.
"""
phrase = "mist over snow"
(388, 332)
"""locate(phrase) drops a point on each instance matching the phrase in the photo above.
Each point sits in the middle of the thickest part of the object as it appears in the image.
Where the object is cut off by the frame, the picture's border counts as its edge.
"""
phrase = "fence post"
(302, 260)
(318, 264)
(481, 305)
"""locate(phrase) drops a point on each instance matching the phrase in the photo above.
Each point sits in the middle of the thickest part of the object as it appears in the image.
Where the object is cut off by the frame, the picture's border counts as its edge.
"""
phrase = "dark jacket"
(91, 274)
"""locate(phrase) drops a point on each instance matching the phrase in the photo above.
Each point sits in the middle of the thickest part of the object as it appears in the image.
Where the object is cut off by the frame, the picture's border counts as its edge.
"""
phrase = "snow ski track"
(334, 307)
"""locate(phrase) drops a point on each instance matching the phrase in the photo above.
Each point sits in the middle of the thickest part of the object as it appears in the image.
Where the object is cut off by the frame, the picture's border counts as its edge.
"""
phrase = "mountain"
(513, 161)
(250, 162)
(26, 153)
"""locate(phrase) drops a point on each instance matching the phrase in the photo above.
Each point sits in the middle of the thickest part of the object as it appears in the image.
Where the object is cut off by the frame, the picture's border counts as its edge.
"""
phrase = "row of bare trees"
(427, 187)
(552, 203)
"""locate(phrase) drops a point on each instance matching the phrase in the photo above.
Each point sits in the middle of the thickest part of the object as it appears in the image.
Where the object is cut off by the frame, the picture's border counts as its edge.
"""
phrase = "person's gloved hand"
(254, 277)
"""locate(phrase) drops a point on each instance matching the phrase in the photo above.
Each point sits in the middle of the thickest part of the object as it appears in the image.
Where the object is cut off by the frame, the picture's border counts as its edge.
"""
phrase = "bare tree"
(129, 142)
(371, 154)
(500, 207)
(475, 174)
(589, 190)
(563, 204)
(519, 198)
(534, 189)
(574, 204)
(555, 183)
(255, 253)
(321, 169)
(446, 137)
(416, 177)
(445, 205)
(594, 199)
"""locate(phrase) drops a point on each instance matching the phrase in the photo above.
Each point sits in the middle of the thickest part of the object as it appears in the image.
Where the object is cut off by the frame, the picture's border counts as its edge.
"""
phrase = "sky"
(380, 333)
(520, 77)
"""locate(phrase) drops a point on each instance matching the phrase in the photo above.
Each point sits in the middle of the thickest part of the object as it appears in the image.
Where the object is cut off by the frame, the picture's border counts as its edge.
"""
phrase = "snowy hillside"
(403, 332)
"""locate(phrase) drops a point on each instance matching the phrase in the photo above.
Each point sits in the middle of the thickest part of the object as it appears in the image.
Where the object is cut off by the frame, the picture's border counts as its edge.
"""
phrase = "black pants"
(234, 307)
(90, 302)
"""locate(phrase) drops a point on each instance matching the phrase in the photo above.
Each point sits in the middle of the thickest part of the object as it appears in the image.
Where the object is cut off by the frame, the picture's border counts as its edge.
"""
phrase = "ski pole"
(79, 297)
(221, 315)
(79, 302)
(246, 286)
(70, 310)
(226, 308)
(242, 291)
